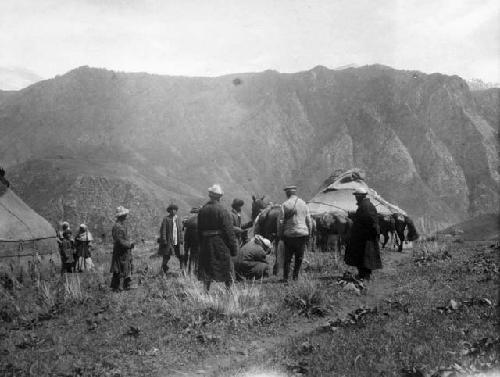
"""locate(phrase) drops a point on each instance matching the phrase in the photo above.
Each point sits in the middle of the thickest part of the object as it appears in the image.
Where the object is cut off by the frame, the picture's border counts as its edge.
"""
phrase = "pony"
(266, 222)
(401, 223)
(257, 206)
(387, 224)
(333, 230)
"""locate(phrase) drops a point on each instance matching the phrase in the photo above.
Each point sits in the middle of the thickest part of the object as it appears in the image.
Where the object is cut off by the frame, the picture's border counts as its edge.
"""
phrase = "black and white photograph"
(249, 188)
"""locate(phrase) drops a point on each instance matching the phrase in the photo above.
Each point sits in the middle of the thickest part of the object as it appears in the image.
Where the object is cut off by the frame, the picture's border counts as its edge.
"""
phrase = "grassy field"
(430, 312)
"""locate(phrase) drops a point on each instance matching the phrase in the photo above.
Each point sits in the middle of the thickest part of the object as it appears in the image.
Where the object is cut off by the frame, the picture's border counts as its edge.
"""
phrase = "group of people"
(75, 251)
(213, 242)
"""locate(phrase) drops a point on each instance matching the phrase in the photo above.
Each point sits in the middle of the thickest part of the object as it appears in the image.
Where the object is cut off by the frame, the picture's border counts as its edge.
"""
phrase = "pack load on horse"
(335, 201)
(332, 231)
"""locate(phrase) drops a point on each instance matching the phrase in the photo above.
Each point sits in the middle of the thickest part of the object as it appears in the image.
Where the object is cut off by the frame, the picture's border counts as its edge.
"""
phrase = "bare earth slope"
(427, 143)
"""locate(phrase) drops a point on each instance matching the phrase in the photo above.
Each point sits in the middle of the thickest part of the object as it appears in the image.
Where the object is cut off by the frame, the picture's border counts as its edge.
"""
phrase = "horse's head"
(412, 230)
(266, 223)
(258, 204)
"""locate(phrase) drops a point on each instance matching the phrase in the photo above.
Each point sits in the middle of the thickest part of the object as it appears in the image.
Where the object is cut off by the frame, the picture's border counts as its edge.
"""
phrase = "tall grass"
(73, 289)
(240, 300)
(47, 295)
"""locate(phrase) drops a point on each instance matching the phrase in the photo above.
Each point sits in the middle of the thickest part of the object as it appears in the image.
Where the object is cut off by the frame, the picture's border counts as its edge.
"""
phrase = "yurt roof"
(338, 196)
(19, 222)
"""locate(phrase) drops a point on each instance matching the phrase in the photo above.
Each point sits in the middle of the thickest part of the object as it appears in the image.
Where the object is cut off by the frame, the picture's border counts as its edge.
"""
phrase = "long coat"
(251, 261)
(191, 232)
(217, 242)
(363, 249)
(121, 262)
(82, 244)
(166, 235)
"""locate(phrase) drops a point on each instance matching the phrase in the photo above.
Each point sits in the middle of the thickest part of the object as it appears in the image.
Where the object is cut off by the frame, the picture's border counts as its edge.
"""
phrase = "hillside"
(480, 228)
(426, 142)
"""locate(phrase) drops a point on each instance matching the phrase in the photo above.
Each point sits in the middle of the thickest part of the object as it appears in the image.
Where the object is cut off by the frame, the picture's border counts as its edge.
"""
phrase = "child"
(67, 251)
(83, 246)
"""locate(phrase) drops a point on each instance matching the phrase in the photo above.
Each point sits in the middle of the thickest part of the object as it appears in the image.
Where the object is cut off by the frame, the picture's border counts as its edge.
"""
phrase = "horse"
(401, 223)
(257, 206)
(266, 222)
(332, 231)
(387, 224)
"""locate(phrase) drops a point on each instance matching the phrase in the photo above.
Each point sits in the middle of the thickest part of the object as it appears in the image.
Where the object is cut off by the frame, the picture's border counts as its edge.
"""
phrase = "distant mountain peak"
(16, 78)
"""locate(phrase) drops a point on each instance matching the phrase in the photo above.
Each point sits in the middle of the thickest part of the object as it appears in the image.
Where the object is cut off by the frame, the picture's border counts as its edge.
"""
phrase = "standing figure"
(83, 246)
(295, 228)
(363, 250)
(67, 252)
(121, 262)
(171, 238)
(240, 230)
(63, 226)
(4, 180)
(191, 242)
(217, 241)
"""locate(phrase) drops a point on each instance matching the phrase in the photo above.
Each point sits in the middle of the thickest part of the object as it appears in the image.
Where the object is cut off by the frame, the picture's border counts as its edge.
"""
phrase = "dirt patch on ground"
(245, 353)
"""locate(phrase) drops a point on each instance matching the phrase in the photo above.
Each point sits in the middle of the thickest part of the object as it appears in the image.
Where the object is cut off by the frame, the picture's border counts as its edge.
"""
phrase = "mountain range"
(78, 145)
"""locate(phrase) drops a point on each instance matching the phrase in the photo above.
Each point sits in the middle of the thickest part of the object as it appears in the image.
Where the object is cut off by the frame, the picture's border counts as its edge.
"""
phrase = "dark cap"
(172, 207)
(290, 188)
(237, 203)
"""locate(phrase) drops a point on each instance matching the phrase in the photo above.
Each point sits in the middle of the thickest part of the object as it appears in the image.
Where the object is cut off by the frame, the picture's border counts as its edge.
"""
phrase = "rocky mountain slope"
(81, 143)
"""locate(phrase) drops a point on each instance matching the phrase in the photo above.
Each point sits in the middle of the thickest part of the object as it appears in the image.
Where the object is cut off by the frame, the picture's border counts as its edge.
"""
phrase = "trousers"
(294, 247)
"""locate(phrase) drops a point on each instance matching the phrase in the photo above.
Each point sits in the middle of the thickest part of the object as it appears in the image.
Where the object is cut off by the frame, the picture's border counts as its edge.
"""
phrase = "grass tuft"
(239, 301)
(73, 289)
(306, 296)
(47, 296)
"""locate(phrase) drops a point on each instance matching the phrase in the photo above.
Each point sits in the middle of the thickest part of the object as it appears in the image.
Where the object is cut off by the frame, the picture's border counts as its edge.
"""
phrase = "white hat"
(216, 189)
(121, 211)
(360, 191)
(265, 241)
(83, 226)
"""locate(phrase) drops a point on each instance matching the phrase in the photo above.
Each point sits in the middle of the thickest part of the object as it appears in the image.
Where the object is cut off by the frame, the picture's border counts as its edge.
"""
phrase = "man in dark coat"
(240, 230)
(251, 260)
(121, 262)
(171, 238)
(191, 242)
(217, 241)
(363, 250)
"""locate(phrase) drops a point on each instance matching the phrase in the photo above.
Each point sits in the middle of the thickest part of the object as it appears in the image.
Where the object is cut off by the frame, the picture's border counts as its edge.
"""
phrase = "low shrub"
(306, 296)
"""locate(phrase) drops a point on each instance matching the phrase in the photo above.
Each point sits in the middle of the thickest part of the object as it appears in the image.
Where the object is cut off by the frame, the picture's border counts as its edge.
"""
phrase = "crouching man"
(250, 263)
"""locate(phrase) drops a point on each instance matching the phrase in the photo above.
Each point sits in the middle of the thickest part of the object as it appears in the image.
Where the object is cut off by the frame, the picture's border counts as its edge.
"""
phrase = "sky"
(216, 37)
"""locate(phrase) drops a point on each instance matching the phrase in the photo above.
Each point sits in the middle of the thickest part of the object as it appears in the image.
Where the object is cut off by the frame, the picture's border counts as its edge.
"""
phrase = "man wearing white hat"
(121, 262)
(251, 261)
(217, 241)
(363, 250)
